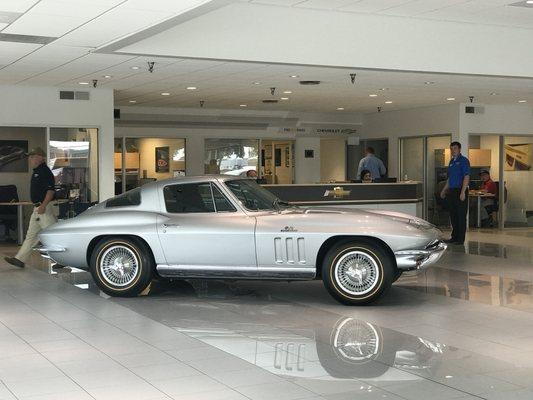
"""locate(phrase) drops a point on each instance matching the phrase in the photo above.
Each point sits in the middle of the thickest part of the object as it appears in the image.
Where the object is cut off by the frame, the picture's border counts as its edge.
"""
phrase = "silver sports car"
(227, 227)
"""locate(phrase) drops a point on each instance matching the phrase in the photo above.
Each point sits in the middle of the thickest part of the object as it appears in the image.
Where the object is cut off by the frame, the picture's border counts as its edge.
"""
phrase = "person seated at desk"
(366, 176)
(488, 205)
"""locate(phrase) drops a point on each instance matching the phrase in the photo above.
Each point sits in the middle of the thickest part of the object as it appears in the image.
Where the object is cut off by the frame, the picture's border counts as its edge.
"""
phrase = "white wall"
(307, 170)
(437, 120)
(41, 107)
(333, 159)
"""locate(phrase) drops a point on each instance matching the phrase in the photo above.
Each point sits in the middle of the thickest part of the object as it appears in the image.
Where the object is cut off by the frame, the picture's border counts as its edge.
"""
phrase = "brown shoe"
(14, 261)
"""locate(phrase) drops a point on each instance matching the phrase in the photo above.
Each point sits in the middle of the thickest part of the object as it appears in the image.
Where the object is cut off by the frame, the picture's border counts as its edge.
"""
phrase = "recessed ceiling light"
(165, 94)
(295, 76)
(257, 83)
(494, 94)
(107, 76)
(384, 88)
(388, 102)
(191, 88)
(340, 108)
(522, 101)
(284, 98)
(529, 2)
(450, 98)
(243, 105)
(133, 101)
(429, 82)
(287, 92)
(83, 83)
(135, 67)
(373, 95)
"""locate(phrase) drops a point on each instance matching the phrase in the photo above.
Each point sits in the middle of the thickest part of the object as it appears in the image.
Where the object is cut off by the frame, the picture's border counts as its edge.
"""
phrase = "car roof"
(193, 179)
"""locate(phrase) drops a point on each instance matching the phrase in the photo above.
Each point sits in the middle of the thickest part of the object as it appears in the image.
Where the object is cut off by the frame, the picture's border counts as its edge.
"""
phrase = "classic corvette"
(228, 227)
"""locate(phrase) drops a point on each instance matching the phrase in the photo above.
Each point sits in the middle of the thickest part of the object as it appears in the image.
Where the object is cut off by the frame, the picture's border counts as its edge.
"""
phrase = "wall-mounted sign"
(162, 159)
(309, 154)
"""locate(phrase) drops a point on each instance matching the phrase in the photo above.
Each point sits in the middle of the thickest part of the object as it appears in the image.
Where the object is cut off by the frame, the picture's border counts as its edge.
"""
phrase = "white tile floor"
(462, 330)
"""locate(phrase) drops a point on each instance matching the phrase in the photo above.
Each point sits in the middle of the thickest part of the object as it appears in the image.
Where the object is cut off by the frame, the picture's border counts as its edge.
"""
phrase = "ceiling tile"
(16, 5)
(44, 25)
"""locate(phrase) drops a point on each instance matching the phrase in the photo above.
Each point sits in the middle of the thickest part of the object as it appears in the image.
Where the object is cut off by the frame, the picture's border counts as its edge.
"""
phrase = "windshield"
(252, 196)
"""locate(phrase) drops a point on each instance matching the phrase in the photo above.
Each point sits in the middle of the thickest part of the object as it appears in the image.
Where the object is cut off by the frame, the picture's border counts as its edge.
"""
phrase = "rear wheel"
(357, 273)
(121, 266)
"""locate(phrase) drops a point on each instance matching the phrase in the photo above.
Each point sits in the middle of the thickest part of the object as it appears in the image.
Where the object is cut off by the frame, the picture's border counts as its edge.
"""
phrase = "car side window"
(189, 198)
(222, 204)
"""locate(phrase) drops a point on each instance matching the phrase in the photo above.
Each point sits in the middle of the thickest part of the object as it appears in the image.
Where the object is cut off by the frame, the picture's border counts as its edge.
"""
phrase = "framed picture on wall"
(13, 156)
(162, 159)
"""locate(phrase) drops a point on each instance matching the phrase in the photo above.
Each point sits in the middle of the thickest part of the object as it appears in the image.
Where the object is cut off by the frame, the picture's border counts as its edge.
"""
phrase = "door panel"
(209, 239)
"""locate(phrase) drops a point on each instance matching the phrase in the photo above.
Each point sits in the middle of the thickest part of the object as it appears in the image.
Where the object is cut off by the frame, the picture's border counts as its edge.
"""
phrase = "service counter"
(406, 197)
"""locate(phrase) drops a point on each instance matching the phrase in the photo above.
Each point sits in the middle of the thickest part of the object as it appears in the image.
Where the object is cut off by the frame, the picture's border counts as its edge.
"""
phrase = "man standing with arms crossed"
(456, 192)
(42, 194)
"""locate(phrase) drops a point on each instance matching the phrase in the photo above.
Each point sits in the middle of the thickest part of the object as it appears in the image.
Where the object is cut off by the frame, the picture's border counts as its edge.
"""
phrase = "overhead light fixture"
(133, 101)
(191, 88)
(388, 102)
(384, 88)
(494, 94)
(165, 94)
(372, 95)
(522, 101)
(83, 83)
(295, 76)
(450, 98)
(529, 2)
(287, 92)
(429, 82)
(284, 98)
(243, 105)
(340, 108)
(135, 67)
(257, 83)
(107, 76)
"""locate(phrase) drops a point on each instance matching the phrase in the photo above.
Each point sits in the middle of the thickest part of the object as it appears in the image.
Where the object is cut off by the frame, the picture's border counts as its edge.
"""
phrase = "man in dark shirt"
(456, 192)
(42, 194)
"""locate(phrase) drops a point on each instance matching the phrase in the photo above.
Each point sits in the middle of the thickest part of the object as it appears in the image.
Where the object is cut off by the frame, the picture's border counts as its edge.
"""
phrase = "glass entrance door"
(436, 174)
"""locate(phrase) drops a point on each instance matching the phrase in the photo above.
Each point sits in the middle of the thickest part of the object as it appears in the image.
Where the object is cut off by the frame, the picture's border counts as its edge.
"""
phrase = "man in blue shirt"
(456, 192)
(371, 163)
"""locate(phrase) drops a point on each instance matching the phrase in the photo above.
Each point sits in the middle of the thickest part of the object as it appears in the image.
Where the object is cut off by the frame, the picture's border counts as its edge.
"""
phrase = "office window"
(73, 160)
(231, 156)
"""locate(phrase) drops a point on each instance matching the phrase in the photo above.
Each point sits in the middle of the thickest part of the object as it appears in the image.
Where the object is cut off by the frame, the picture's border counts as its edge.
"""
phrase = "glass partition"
(436, 149)
(73, 159)
(517, 201)
(231, 156)
(146, 160)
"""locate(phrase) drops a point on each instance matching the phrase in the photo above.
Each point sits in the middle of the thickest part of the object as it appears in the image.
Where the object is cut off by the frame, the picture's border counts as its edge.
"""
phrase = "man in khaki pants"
(42, 194)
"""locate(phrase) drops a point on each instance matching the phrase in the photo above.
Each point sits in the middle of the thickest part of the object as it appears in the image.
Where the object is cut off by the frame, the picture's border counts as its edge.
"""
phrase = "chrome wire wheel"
(356, 340)
(356, 272)
(119, 266)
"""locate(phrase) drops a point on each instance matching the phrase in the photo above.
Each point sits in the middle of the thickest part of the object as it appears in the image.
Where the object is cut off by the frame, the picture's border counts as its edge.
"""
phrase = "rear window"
(130, 198)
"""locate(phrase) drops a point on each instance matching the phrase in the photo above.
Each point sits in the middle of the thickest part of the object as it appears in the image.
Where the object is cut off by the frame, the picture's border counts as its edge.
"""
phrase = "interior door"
(200, 227)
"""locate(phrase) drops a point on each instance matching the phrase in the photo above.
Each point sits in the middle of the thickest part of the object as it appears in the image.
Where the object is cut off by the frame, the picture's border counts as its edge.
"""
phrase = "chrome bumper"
(45, 251)
(408, 260)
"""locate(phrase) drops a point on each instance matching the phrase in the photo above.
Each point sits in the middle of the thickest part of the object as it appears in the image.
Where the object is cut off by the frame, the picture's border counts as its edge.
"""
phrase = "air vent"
(8, 37)
(72, 95)
(309, 83)
(474, 110)
(270, 101)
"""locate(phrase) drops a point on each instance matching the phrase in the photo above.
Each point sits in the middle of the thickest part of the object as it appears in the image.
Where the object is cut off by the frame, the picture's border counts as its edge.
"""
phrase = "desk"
(406, 197)
(480, 195)
(20, 217)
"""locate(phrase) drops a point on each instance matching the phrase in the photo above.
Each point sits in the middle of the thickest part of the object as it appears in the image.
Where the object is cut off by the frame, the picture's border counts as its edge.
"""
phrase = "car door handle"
(165, 226)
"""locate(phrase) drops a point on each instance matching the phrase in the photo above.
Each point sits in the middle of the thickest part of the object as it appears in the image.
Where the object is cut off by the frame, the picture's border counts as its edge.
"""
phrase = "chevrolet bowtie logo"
(337, 193)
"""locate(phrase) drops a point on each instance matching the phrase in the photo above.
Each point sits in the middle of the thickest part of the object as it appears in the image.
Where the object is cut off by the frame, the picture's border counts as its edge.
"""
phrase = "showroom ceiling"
(76, 29)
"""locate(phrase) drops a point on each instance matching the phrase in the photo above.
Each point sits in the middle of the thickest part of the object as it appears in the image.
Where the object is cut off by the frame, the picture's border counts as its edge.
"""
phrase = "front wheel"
(357, 273)
(121, 267)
